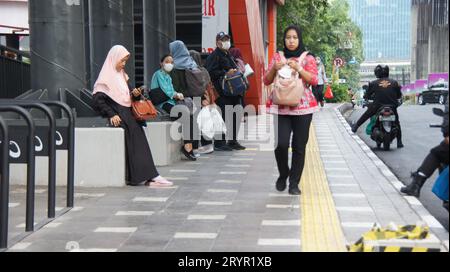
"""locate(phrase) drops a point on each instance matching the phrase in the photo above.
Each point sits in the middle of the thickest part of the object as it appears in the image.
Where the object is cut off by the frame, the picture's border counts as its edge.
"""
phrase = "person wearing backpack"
(221, 67)
(292, 73)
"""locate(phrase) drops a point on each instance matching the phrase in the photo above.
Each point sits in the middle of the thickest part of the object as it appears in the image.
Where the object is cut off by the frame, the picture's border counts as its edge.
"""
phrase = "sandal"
(159, 182)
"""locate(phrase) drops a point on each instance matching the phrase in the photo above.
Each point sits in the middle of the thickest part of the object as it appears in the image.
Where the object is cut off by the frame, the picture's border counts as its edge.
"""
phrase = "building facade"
(386, 27)
(430, 38)
(252, 24)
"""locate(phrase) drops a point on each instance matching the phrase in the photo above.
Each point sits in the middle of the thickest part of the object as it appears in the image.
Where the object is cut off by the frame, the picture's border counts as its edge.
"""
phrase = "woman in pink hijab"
(112, 99)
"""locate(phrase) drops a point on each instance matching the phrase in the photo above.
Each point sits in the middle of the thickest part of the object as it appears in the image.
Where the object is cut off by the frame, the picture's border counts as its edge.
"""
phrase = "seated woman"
(162, 80)
(113, 100)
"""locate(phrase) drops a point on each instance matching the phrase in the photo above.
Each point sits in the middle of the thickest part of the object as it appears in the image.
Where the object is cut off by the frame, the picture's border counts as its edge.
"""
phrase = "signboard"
(338, 62)
(215, 19)
(437, 78)
(421, 85)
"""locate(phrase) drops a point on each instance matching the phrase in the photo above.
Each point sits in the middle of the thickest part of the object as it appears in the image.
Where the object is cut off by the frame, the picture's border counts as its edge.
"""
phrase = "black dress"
(140, 164)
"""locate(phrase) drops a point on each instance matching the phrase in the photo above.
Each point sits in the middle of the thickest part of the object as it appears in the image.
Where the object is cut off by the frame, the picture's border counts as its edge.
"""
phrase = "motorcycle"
(385, 129)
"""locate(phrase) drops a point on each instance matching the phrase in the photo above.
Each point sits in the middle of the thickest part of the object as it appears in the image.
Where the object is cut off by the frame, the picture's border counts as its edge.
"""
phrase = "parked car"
(436, 93)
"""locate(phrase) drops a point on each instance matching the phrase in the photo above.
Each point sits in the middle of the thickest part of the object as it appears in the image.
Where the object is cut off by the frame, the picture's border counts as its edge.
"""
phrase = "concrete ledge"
(165, 149)
(99, 161)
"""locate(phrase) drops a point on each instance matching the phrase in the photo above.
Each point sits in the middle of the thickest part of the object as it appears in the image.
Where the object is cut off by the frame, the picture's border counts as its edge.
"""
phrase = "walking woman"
(112, 98)
(293, 120)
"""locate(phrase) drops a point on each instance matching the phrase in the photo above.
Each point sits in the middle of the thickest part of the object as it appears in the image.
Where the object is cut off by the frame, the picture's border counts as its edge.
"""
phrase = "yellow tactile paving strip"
(321, 229)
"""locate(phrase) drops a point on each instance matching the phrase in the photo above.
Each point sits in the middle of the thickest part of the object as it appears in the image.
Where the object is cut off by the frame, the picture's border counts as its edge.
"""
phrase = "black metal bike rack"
(50, 151)
(30, 175)
(68, 145)
(4, 184)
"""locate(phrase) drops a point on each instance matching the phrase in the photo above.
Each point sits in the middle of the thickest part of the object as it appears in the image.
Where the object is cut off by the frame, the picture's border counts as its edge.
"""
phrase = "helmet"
(382, 71)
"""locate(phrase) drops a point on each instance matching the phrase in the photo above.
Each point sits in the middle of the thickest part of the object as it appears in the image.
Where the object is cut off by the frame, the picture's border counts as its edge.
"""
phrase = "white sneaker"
(196, 154)
(208, 149)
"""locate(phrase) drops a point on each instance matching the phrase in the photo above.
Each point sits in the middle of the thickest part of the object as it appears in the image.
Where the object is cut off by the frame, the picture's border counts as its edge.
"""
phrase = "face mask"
(226, 45)
(168, 67)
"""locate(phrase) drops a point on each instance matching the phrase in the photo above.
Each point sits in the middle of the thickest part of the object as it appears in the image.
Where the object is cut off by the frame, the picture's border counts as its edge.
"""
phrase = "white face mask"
(168, 67)
(226, 45)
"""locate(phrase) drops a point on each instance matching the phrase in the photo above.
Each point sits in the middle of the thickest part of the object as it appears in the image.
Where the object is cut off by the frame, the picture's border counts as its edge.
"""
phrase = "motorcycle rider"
(437, 157)
(384, 91)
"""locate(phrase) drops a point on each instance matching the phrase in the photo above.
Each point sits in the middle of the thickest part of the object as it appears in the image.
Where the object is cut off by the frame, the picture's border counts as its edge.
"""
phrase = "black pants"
(299, 126)
(318, 92)
(372, 110)
(437, 157)
(232, 125)
(188, 132)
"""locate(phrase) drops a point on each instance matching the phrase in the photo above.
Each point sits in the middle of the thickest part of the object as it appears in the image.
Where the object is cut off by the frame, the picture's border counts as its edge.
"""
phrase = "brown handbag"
(144, 110)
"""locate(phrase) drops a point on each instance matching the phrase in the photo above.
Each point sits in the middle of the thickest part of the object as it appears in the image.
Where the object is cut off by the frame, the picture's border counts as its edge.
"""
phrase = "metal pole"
(110, 23)
(71, 150)
(57, 46)
(159, 31)
(4, 185)
(31, 169)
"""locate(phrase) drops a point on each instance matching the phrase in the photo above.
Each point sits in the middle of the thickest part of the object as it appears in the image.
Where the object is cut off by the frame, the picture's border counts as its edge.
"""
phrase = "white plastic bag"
(248, 71)
(210, 122)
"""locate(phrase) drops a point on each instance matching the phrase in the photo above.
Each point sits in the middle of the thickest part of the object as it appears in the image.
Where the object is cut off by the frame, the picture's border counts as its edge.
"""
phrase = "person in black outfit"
(219, 64)
(112, 99)
(437, 157)
(384, 91)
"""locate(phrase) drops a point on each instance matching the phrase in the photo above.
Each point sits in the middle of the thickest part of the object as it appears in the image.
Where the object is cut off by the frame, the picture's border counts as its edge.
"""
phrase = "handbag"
(158, 96)
(329, 93)
(235, 84)
(143, 110)
(288, 91)
(440, 188)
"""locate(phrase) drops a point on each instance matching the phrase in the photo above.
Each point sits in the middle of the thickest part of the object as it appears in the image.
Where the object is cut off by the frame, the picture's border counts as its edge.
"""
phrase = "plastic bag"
(210, 122)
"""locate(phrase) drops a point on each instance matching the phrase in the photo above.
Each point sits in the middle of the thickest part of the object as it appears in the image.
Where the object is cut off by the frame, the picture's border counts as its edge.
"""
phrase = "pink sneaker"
(160, 182)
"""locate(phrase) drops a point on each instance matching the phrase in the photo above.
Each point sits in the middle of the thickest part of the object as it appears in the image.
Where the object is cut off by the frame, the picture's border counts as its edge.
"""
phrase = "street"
(418, 138)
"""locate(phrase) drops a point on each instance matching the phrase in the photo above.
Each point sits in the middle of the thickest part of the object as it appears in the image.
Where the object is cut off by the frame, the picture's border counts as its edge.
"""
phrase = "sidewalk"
(226, 202)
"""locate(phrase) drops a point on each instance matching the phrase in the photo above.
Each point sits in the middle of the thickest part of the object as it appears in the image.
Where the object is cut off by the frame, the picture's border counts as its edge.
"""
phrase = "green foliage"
(340, 92)
(326, 27)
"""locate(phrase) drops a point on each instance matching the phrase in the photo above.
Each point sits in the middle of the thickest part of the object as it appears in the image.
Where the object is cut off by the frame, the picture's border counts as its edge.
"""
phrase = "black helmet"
(382, 71)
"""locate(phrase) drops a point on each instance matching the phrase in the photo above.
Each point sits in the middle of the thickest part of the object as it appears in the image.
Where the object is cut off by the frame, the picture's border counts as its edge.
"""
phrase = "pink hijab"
(113, 83)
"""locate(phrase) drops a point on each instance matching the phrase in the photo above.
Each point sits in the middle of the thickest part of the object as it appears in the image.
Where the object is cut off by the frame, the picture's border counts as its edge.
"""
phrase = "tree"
(328, 31)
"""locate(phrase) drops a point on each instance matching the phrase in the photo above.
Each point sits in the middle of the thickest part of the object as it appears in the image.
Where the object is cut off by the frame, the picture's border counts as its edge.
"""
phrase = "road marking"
(182, 171)
(224, 191)
(190, 235)
(89, 195)
(150, 199)
(134, 213)
(233, 173)
(210, 203)
(206, 217)
(229, 181)
(21, 246)
(280, 223)
(115, 230)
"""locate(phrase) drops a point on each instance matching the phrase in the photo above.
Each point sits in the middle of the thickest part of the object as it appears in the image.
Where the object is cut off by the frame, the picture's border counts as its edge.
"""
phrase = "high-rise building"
(386, 27)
